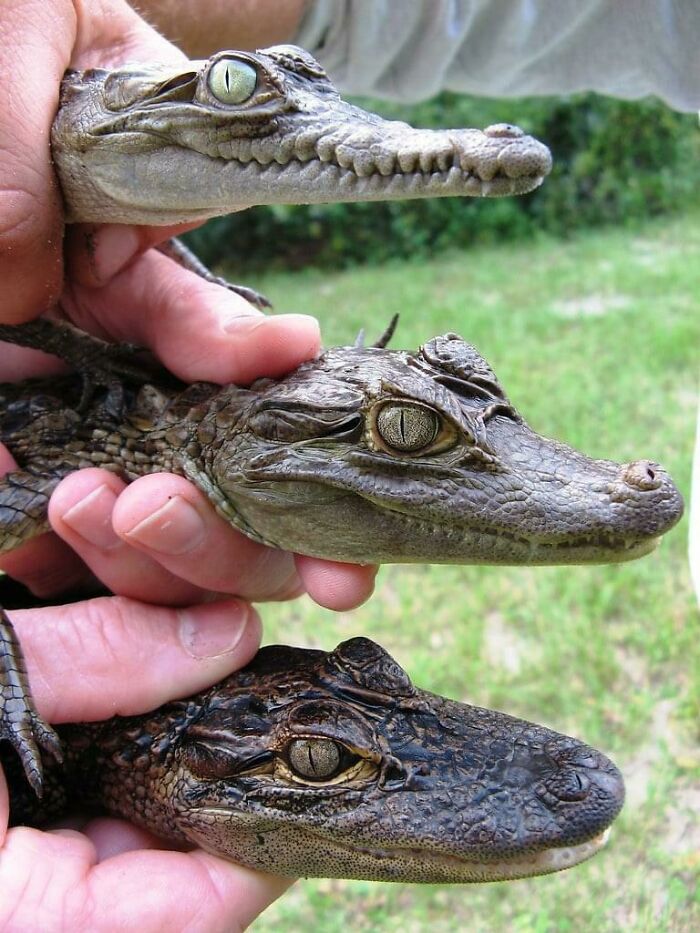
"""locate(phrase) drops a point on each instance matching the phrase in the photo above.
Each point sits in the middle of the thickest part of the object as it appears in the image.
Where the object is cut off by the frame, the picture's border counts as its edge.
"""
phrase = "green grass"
(596, 341)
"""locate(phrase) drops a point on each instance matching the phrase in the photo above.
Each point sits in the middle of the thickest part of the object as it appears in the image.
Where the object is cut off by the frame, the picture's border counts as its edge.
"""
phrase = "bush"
(614, 162)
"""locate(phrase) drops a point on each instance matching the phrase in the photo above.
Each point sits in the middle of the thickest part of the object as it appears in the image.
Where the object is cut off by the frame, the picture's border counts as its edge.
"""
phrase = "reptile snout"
(652, 501)
(579, 773)
(523, 156)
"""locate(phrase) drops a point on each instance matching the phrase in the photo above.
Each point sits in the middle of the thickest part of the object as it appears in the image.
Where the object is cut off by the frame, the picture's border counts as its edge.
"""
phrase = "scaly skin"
(365, 454)
(162, 144)
(334, 765)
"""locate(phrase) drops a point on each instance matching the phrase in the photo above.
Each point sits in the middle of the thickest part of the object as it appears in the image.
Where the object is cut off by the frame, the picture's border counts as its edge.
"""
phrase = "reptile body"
(335, 765)
(365, 454)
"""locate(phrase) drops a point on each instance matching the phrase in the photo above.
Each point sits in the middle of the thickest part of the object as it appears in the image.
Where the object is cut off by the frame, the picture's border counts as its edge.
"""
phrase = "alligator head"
(166, 142)
(368, 454)
(335, 765)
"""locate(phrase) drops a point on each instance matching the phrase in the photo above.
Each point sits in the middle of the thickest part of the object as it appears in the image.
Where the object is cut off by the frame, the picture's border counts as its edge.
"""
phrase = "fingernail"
(91, 518)
(175, 528)
(249, 323)
(115, 246)
(208, 632)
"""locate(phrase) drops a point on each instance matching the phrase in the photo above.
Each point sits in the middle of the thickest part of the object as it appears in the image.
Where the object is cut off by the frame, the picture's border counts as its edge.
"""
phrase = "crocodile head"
(165, 143)
(369, 454)
(334, 765)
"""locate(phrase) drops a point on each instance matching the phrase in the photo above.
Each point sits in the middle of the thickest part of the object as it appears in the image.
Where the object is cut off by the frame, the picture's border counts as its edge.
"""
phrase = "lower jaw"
(426, 866)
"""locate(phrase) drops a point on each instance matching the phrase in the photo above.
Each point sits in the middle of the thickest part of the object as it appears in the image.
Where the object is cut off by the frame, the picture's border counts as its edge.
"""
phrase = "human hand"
(117, 289)
(89, 661)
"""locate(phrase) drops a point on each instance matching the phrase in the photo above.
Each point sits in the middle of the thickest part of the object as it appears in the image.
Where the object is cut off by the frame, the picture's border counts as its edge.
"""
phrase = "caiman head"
(369, 454)
(165, 142)
(334, 765)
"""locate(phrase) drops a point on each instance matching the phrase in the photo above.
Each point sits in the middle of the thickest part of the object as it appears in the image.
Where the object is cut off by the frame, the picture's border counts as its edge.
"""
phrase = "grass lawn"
(596, 341)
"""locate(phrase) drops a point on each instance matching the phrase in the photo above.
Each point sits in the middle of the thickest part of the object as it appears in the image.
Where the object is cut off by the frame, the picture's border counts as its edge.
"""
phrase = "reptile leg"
(24, 501)
(103, 362)
(20, 724)
(176, 249)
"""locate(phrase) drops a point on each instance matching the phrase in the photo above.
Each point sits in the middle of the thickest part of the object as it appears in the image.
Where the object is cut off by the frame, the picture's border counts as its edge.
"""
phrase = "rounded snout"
(649, 497)
(585, 787)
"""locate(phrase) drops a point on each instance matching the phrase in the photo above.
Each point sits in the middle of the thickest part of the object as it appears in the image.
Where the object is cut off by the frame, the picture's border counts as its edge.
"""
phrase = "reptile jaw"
(409, 864)
(441, 867)
(328, 181)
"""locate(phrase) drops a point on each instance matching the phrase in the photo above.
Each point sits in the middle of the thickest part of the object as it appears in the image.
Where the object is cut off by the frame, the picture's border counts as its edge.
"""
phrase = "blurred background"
(583, 296)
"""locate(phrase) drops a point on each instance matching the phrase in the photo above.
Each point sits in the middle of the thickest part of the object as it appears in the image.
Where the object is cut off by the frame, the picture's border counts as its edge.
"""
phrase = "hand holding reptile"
(199, 330)
(104, 873)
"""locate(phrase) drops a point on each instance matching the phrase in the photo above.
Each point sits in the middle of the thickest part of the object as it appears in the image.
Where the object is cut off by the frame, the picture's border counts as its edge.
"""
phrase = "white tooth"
(240, 149)
(407, 160)
(363, 164)
(444, 160)
(384, 161)
(305, 143)
(262, 152)
(344, 156)
(325, 149)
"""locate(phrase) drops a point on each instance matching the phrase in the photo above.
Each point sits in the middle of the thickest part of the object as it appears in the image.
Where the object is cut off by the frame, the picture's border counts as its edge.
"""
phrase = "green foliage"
(615, 161)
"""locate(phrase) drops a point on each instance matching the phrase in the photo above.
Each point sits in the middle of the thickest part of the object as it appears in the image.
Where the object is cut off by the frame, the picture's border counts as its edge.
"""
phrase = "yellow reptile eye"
(406, 427)
(232, 81)
(314, 759)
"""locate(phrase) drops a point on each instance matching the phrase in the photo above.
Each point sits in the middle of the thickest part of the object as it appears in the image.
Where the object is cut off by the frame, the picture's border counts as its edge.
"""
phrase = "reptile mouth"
(442, 866)
(596, 547)
(411, 864)
(347, 183)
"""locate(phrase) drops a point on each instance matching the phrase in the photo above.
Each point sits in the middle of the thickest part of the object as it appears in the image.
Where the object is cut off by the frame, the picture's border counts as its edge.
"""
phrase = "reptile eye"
(232, 81)
(407, 427)
(315, 759)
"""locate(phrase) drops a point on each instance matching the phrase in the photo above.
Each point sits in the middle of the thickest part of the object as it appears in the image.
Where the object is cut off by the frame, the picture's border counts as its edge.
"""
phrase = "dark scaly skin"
(304, 463)
(334, 765)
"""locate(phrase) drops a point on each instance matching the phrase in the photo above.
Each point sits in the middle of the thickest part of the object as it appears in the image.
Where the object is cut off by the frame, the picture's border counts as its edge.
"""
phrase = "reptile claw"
(255, 298)
(20, 723)
(27, 737)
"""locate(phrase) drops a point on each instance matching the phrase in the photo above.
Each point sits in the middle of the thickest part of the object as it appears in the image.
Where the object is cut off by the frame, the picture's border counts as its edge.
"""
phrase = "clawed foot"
(28, 734)
(175, 249)
(255, 298)
(20, 724)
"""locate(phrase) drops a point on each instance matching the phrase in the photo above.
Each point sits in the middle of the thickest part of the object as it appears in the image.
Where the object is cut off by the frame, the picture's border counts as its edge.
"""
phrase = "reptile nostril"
(568, 784)
(642, 475)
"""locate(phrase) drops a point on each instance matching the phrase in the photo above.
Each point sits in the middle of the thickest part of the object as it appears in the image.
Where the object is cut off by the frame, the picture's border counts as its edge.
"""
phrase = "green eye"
(232, 81)
(407, 427)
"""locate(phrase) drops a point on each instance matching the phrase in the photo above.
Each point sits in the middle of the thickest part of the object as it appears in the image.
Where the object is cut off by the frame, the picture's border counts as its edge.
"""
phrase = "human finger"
(31, 67)
(54, 882)
(44, 564)
(169, 519)
(81, 510)
(115, 656)
(198, 329)
(336, 585)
